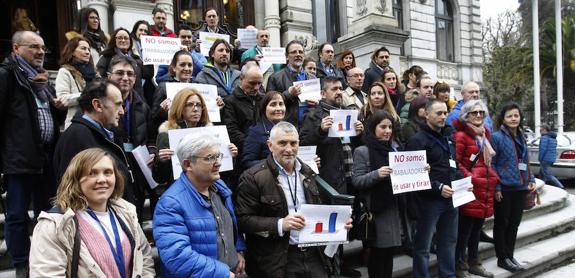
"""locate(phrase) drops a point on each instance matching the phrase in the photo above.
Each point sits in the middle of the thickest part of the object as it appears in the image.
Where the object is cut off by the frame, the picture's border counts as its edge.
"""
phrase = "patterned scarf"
(38, 79)
(488, 151)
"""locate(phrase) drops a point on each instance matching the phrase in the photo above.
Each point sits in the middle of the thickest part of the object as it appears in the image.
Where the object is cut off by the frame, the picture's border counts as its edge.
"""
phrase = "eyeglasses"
(212, 158)
(296, 52)
(479, 113)
(357, 75)
(36, 47)
(255, 83)
(130, 74)
(122, 38)
(193, 105)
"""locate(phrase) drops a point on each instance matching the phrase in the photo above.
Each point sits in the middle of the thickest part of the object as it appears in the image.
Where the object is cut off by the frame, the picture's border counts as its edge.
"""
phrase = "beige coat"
(350, 101)
(53, 239)
(69, 86)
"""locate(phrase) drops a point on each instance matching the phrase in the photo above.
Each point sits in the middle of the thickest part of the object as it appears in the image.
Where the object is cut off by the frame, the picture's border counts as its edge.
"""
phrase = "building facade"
(443, 36)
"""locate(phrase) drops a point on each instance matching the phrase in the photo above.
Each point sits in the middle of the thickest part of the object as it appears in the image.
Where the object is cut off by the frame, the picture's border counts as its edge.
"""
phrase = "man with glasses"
(195, 227)
(134, 125)
(159, 29)
(436, 211)
(243, 105)
(469, 91)
(30, 115)
(282, 81)
(218, 70)
(353, 97)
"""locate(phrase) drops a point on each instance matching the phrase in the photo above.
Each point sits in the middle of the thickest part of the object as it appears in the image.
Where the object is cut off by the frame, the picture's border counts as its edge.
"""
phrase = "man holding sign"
(436, 211)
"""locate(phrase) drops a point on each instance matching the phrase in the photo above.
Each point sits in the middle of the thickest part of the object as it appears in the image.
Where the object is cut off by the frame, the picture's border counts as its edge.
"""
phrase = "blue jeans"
(20, 190)
(468, 238)
(440, 216)
(545, 173)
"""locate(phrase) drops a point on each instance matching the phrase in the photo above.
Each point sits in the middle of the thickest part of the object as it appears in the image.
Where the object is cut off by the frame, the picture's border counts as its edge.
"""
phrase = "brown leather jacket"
(260, 202)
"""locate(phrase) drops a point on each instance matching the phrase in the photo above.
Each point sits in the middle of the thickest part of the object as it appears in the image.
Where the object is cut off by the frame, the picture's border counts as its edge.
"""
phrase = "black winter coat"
(372, 74)
(140, 124)
(240, 112)
(281, 81)
(21, 147)
(141, 72)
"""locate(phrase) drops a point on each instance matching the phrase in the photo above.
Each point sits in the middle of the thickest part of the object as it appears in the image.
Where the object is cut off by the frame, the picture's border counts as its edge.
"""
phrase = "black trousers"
(380, 263)
(304, 264)
(508, 214)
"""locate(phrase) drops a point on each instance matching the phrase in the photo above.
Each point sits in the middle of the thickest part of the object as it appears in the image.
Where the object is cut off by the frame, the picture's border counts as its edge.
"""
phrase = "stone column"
(272, 22)
(259, 13)
(373, 26)
(102, 6)
(168, 7)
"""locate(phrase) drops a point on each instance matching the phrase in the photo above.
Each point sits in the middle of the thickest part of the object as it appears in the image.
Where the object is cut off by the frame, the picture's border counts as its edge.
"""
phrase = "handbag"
(363, 223)
(532, 199)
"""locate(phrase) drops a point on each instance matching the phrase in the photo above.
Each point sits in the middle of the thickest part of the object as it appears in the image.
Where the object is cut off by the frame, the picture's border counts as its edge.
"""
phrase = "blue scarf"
(38, 79)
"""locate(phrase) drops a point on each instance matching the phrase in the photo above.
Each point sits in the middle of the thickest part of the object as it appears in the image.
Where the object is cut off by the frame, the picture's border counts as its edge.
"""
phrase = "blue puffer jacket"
(548, 147)
(510, 152)
(185, 232)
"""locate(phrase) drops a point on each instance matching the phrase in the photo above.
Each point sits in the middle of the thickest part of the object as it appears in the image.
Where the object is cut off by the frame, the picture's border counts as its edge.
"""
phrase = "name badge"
(128, 147)
(452, 163)
(345, 140)
(472, 157)
(522, 166)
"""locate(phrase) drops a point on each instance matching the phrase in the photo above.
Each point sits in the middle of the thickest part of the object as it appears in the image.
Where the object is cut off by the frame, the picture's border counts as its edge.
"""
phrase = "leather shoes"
(483, 237)
(507, 264)
(517, 264)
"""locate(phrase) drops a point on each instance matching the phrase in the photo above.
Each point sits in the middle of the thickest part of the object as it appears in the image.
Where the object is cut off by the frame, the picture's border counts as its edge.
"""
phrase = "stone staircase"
(545, 242)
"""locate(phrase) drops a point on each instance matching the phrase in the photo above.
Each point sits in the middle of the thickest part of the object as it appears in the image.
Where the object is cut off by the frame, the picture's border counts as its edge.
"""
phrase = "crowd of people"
(68, 149)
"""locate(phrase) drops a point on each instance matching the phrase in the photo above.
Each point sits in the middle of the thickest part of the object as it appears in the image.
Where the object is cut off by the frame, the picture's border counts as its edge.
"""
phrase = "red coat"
(483, 178)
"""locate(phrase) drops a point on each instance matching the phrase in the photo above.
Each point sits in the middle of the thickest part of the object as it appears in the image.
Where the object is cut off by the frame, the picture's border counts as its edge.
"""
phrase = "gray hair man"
(470, 90)
(353, 96)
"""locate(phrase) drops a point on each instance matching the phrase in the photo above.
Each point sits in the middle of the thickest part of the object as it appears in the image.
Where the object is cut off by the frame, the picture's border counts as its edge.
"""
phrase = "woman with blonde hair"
(92, 231)
(378, 98)
(188, 109)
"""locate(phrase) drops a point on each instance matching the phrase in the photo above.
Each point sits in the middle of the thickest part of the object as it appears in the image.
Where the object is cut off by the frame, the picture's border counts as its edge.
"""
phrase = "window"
(333, 20)
(444, 30)
(398, 13)
(191, 12)
(233, 13)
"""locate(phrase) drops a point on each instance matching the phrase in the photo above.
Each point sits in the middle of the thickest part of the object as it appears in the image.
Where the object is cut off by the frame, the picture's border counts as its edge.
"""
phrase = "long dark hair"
(67, 55)
(136, 26)
(111, 48)
(379, 116)
(81, 27)
(266, 99)
(504, 109)
(175, 61)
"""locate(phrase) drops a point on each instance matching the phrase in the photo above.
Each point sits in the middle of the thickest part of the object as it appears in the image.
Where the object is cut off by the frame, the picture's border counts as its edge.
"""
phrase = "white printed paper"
(408, 171)
(307, 155)
(220, 132)
(324, 224)
(273, 55)
(247, 37)
(343, 123)
(142, 157)
(461, 193)
(310, 90)
(159, 50)
(208, 40)
(209, 94)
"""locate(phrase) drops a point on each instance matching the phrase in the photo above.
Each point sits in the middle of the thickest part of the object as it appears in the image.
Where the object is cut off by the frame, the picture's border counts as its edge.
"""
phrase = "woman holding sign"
(188, 109)
(515, 180)
(371, 177)
(474, 153)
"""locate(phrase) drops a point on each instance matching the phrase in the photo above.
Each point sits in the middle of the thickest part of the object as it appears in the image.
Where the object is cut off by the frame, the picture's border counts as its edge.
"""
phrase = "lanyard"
(293, 194)
(118, 253)
(126, 119)
(444, 146)
(226, 78)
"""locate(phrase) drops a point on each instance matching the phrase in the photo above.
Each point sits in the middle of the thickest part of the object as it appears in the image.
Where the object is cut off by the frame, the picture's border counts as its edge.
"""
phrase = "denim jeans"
(440, 216)
(20, 190)
(545, 173)
(468, 238)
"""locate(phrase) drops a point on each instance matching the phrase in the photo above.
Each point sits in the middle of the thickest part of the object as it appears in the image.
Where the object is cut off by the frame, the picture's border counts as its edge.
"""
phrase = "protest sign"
(343, 123)
(209, 94)
(142, 157)
(159, 50)
(307, 155)
(461, 193)
(220, 132)
(273, 55)
(247, 37)
(324, 224)
(310, 90)
(208, 40)
(408, 171)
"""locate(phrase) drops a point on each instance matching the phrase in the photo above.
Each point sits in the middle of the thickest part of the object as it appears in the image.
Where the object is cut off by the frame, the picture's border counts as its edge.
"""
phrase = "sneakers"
(477, 269)
(461, 270)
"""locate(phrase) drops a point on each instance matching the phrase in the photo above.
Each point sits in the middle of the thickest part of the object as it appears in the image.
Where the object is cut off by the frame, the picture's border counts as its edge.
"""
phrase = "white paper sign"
(142, 156)
(307, 154)
(159, 50)
(273, 55)
(324, 224)
(343, 123)
(247, 37)
(209, 94)
(310, 90)
(461, 193)
(220, 132)
(208, 40)
(408, 171)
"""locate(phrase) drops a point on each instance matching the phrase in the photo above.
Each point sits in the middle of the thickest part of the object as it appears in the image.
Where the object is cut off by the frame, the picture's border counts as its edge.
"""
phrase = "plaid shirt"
(45, 121)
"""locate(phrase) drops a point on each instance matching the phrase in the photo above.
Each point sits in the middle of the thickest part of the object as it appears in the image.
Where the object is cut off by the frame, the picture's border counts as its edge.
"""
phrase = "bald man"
(469, 91)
